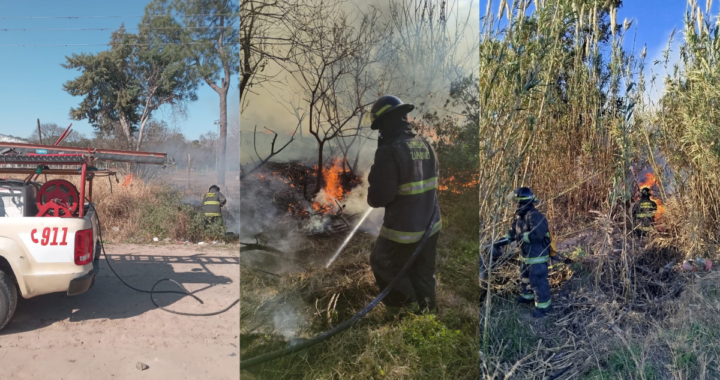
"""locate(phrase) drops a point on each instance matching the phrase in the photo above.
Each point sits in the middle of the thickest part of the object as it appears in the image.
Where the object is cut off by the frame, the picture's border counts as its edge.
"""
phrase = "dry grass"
(668, 330)
(313, 299)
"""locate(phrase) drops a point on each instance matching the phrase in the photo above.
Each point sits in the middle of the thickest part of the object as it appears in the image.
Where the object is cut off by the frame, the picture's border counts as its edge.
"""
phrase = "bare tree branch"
(273, 152)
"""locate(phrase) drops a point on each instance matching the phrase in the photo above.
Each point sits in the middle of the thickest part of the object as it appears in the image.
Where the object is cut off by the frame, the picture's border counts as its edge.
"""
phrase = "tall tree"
(330, 62)
(210, 31)
(127, 83)
(110, 96)
(164, 78)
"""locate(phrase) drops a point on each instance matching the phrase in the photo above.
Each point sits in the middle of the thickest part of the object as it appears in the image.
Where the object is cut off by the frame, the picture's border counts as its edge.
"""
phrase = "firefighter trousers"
(418, 284)
(534, 284)
(213, 220)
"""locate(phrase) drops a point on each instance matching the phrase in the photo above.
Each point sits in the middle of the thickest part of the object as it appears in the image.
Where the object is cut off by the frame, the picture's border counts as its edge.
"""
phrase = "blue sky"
(653, 21)
(31, 78)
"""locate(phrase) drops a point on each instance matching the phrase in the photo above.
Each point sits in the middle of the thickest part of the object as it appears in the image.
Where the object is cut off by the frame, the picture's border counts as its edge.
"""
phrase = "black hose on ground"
(254, 361)
(152, 290)
(559, 373)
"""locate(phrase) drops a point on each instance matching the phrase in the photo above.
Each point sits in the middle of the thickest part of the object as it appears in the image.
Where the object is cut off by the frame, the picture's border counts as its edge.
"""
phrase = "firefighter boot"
(526, 295)
(540, 313)
(525, 299)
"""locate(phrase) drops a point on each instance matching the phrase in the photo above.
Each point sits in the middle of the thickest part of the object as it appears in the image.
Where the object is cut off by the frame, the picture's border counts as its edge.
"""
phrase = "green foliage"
(165, 216)
(200, 230)
(551, 100)
(512, 334)
(436, 346)
(202, 25)
(122, 86)
(687, 124)
(424, 332)
(620, 364)
(109, 94)
(159, 214)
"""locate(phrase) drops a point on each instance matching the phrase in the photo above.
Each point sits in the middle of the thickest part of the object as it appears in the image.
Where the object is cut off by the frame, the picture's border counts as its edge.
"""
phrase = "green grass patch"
(163, 215)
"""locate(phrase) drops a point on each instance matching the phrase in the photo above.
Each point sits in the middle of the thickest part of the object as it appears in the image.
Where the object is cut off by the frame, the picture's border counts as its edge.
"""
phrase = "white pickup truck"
(41, 255)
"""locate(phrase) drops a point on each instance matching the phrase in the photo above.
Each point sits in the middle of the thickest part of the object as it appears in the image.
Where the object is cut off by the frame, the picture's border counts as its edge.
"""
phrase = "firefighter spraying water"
(403, 180)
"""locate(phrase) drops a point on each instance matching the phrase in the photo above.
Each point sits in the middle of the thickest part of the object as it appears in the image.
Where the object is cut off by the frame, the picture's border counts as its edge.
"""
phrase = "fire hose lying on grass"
(254, 361)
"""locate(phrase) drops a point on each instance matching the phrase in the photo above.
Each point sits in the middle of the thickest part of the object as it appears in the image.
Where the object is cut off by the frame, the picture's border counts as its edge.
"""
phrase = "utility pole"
(39, 133)
(188, 170)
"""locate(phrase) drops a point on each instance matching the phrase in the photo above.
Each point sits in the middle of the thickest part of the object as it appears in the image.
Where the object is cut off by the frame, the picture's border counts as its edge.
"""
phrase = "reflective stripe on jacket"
(645, 208)
(212, 202)
(404, 180)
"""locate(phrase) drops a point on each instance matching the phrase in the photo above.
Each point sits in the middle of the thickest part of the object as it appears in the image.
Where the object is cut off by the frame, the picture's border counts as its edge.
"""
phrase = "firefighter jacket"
(644, 212)
(212, 202)
(404, 180)
(530, 228)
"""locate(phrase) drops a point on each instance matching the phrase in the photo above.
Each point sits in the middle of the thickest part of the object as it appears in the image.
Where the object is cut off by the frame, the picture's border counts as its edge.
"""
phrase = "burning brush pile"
(292, 187)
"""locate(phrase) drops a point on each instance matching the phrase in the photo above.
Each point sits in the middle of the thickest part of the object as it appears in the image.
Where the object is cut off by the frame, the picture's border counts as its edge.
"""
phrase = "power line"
(79, 17)
(105, 44)
(106, 29)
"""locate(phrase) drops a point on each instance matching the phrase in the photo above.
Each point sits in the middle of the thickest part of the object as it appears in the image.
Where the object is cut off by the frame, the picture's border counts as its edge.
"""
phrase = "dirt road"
(105, 332)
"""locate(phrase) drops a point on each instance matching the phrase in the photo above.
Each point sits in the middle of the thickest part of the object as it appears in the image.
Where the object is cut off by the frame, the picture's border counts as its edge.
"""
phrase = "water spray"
(347, 240)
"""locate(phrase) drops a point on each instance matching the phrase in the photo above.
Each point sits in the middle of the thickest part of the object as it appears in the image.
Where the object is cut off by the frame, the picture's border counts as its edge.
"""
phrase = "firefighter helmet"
(384, 106)
(214, 187)
(645, 191)
(524, 196)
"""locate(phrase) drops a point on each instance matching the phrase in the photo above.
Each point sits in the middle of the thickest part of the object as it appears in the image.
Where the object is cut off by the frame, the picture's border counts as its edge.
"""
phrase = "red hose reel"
(58, 198)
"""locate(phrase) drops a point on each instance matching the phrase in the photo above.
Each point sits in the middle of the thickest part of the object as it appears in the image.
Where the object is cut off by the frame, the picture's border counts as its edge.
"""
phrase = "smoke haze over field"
(418, 69)
(276, 106)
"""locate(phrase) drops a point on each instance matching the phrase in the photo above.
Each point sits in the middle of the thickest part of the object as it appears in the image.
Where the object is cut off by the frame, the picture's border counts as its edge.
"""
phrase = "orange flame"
(455, 186)
(128, 179)
(333, 188)
(650, 181)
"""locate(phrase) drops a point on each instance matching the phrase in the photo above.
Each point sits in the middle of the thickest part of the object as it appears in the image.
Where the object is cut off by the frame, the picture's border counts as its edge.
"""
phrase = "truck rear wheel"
(8, 298)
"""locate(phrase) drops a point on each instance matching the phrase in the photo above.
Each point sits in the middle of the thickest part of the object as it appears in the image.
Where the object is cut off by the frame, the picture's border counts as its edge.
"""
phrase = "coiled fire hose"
(152, 290)
(254, 361)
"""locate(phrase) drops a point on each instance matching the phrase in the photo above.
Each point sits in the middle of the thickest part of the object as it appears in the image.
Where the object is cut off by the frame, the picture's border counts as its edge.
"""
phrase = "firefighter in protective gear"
(530, 230)
(644, 213)
(212, 204)
(403, 180)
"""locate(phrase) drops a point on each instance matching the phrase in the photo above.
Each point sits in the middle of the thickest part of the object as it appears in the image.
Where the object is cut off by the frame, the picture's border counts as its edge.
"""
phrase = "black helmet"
(645, 191)
(385, 105)
(214, 187)
(524, 196)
